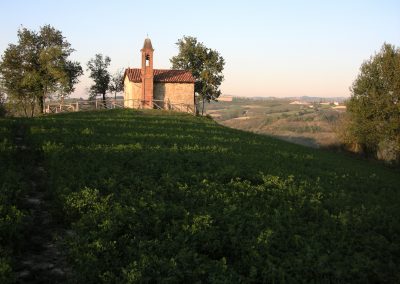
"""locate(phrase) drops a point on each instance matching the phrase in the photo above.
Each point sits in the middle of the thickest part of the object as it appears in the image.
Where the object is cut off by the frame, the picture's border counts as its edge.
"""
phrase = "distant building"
(225, 98)
(299, 103)
(158, 88)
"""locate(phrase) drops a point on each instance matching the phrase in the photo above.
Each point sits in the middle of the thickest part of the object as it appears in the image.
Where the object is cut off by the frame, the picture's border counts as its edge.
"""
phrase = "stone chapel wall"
(174, 93)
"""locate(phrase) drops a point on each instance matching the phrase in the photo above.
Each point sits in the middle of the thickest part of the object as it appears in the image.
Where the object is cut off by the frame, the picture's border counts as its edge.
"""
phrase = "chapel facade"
(147, 87)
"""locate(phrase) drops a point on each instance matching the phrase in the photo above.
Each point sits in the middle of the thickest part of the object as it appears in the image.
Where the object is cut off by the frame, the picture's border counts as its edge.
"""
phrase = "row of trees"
(372, 123)
(39, 67)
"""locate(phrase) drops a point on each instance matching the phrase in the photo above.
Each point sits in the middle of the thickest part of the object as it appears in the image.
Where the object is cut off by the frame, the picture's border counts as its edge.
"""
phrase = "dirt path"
(41, 260)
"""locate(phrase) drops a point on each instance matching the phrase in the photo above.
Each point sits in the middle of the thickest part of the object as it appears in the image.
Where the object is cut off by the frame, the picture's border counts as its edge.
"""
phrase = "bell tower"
(147, 74)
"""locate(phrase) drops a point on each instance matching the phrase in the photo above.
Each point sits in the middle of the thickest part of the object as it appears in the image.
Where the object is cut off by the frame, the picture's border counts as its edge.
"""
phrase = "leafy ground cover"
(153, 196)
(15, 172)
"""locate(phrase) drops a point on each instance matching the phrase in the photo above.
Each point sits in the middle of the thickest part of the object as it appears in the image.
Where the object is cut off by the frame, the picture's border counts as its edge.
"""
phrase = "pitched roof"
(134, 74)
(173, 76)
(161, 75)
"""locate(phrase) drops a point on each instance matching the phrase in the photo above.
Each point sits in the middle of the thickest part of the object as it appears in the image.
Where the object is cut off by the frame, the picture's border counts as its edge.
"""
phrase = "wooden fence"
(82, 105)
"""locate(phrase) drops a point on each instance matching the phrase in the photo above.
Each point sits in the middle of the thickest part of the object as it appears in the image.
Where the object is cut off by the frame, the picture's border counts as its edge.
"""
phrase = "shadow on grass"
(175, 197)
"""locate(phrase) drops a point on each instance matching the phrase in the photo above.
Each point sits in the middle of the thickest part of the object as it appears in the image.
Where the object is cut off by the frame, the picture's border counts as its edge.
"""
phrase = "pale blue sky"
(271, 48)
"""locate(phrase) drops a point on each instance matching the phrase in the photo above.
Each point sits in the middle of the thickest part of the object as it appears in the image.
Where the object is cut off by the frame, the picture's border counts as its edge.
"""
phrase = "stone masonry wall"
(173, 94)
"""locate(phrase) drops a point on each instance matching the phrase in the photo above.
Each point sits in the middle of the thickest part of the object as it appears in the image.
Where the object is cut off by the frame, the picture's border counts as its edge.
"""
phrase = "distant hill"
(304, 98)
(321, 99)
(294, 120)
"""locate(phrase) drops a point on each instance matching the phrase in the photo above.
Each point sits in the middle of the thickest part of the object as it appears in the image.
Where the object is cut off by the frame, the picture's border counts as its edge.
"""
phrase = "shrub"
(374, 117)
(389, 151)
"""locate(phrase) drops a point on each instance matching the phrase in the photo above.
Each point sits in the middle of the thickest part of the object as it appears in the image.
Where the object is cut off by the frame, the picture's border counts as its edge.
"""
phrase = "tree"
(74, 71)
(52, 52)
(38, 66)
(117, 83)
(374, 107)
(100, 75)
(19, 71)
(205, 64)
(2, 99)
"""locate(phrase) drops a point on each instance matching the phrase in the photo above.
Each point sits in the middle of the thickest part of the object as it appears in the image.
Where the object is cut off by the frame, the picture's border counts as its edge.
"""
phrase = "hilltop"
(142, 196)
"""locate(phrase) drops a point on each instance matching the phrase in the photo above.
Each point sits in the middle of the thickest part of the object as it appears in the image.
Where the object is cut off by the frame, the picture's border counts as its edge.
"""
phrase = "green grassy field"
(152, 196)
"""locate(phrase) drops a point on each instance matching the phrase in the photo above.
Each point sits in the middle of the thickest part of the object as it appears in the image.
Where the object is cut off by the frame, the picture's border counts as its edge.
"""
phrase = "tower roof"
(147, 44)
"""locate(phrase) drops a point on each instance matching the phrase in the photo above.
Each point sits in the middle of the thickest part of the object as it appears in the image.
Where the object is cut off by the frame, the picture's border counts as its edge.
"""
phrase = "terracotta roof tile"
(161, 75)
(134, 74)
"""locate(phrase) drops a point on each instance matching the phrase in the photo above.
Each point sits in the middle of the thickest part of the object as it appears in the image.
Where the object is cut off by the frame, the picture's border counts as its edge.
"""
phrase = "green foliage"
(205, 64)
(38, 66)
(156, 196)
(100, 75)
(13, 188)
(2, 102)
(374, 107)
(6, 273)
(117, 83)
(73, 71)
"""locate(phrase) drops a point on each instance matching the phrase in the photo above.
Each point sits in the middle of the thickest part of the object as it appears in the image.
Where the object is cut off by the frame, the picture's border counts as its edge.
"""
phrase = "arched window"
(147, 60)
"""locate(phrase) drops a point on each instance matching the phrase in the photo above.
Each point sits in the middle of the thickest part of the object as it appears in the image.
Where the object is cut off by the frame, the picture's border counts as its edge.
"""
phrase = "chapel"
(147, 87)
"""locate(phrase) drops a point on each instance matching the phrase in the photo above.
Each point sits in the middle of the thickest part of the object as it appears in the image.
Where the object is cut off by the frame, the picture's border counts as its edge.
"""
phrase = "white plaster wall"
(132, 93)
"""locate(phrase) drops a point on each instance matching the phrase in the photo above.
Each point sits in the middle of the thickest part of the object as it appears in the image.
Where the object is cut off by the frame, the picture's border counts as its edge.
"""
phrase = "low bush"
(13, 187)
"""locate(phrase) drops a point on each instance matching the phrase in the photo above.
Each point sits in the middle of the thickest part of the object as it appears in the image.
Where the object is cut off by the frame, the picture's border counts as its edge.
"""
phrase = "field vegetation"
(312, 125)
(15, 166)
(153, 196)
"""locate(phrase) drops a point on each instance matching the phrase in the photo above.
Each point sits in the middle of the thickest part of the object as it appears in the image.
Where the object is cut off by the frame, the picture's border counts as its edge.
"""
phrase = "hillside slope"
(167, 197)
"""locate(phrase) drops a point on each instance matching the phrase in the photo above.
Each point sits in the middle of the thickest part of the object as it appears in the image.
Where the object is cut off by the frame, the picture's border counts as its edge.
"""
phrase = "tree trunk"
(25, 107)
(32, 109)
(42, 99)
(104, 100)
(41, 104)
